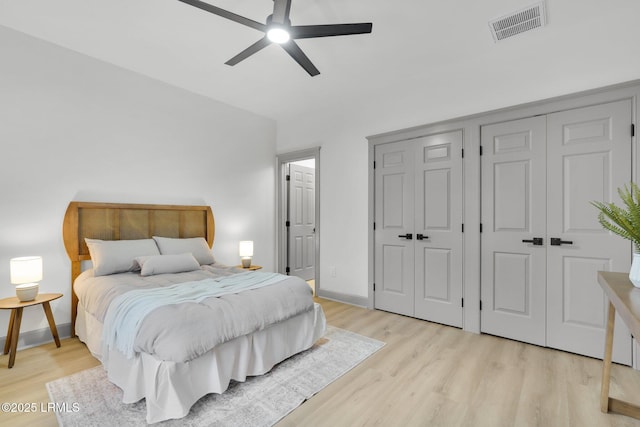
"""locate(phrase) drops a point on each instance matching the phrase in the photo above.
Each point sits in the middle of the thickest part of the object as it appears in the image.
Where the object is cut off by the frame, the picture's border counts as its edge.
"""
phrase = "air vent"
(523, 20)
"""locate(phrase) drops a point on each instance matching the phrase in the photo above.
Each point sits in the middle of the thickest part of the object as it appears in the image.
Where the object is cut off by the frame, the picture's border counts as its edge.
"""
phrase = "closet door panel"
(438, 219)
(394, 213)
(513, 211)
(589, 157)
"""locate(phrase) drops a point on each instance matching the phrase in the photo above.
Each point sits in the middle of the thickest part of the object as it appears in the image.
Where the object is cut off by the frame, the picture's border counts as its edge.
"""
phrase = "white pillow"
(161, 264)
(195, 245)
(117, 256)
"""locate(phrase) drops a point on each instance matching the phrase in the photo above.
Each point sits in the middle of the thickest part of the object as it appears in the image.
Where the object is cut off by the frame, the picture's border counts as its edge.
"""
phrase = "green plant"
(624, 222)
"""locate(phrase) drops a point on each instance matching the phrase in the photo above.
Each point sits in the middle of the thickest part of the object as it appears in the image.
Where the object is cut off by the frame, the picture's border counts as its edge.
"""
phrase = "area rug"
(259, 401)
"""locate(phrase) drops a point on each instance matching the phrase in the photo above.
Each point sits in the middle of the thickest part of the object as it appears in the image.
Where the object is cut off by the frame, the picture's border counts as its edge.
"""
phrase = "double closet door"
(418, 228)
(542, 244)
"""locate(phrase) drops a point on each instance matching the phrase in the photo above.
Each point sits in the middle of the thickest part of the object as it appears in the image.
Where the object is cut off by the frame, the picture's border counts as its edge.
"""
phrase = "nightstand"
(16, 307)
(252, 268)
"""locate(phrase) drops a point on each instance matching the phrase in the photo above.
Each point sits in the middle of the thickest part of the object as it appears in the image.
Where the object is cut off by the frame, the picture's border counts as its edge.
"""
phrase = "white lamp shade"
(246, 248)
(26, 269)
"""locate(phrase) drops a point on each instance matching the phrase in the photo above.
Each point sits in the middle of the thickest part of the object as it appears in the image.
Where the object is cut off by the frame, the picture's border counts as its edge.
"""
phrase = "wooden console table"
(625, 298)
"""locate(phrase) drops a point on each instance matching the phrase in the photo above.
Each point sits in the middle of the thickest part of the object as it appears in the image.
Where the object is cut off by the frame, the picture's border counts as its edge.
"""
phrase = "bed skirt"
(171, 388)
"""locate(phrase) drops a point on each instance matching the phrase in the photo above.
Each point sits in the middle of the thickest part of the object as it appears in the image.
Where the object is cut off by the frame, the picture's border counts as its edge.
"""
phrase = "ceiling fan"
(278, 29)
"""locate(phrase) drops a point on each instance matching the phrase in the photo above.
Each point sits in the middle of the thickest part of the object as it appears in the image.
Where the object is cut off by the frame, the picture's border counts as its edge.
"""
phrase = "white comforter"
(185, 331)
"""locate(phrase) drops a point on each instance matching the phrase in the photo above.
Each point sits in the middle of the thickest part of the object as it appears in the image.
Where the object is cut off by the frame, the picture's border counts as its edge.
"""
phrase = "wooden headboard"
(121, 221)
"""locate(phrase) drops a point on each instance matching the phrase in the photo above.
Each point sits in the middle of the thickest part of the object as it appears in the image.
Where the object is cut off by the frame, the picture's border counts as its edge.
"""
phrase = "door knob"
(556, 241)
(537, 241)
(421, 237)
(407, 236)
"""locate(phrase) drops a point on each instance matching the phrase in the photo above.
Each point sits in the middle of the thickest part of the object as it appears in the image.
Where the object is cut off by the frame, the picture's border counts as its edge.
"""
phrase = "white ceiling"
(420, 51)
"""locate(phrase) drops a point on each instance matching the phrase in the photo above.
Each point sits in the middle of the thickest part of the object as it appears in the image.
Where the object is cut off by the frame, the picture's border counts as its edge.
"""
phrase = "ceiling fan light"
(278, 35)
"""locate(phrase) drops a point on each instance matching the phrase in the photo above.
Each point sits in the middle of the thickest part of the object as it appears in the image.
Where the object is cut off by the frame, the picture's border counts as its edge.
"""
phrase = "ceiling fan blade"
(312, 31)
(226, 14)
(296, 53)
(281, 9)
(259, 45)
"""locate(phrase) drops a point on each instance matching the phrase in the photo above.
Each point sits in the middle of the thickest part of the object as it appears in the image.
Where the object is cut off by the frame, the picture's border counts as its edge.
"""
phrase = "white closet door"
(438, 220)
(302, 228)
(514, 209)
(394, 213)
(589, 157)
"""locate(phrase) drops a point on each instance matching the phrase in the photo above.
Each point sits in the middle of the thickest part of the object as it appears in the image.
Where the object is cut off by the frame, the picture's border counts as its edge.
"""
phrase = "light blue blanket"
(127, 311)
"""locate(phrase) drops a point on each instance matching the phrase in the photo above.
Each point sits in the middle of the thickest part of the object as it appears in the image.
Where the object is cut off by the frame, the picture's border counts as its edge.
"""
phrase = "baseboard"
(345, 298)
(39, 336)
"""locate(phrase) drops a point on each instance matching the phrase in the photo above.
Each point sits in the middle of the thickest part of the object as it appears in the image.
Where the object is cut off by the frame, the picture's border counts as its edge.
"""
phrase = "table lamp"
(246, 252)
(25, 273)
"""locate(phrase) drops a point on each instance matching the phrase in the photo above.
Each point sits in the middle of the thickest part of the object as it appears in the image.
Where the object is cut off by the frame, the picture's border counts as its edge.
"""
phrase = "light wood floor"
(426, 375)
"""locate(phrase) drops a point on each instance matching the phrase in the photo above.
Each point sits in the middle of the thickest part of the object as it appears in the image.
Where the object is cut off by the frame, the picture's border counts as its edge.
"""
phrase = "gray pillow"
(161, 264)
(197, 246)
(117, 256)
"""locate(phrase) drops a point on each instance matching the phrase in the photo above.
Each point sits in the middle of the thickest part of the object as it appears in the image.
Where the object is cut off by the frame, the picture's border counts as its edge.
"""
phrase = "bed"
(229, 324)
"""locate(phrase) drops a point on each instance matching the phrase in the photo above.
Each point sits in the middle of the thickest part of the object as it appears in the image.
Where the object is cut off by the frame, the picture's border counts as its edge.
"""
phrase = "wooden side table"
(16, 307)
(624, 298)
(252, 268)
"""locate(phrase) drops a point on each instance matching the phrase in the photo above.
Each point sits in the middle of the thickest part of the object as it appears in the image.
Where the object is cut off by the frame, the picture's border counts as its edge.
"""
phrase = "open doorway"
(298, 215)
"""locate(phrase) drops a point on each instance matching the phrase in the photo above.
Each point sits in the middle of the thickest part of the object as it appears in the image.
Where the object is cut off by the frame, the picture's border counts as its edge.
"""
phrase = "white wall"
(343, 197)
(309, 163)
(74, 128)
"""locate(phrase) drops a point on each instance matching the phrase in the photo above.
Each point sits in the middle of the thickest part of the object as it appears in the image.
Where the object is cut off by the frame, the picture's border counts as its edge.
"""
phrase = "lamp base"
(27, 292)
(246, 262)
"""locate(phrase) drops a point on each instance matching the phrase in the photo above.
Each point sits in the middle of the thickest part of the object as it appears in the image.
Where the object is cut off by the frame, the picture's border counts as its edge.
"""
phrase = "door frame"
(282, 161)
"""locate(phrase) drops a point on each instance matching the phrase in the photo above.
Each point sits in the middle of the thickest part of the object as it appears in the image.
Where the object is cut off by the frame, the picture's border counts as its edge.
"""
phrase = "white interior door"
(394, 213)
(514, 212)
(438, 220)
(589, 157)
(302, 226)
